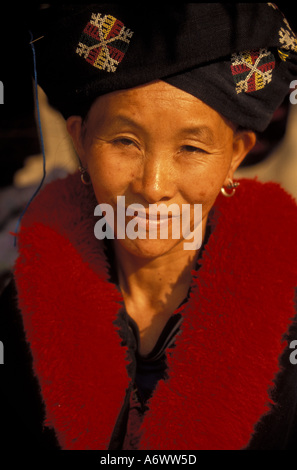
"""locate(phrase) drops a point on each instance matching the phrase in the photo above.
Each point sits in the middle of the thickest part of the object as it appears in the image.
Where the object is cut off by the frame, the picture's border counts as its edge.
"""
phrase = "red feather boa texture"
(226, 356)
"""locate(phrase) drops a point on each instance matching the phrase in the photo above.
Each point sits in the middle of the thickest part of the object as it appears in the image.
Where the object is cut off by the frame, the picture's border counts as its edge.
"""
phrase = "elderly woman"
(138, 342)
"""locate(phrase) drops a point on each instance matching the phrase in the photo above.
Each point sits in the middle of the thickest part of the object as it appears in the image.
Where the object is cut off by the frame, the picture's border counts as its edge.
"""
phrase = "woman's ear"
(74, 128)
(243, 142)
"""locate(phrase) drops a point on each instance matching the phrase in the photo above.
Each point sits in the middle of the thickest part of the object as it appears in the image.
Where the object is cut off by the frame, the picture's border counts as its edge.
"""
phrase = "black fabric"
(187, 45)
(255, 109)
(152, 367)
(21, 406)
(145, 371)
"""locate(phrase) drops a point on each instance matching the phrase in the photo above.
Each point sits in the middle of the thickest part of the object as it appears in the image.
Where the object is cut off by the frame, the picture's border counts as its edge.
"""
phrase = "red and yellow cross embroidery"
(104, 42)
(252, 70)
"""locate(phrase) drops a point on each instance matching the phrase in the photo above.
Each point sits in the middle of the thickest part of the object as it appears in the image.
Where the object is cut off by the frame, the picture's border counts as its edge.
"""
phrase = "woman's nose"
(155, 181)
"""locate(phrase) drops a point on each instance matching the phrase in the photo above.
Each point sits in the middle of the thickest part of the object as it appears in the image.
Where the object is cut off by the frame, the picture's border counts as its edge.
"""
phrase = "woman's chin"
(147, 248)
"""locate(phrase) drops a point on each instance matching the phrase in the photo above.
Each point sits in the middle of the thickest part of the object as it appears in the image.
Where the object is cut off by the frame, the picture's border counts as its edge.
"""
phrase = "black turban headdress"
(238, 58)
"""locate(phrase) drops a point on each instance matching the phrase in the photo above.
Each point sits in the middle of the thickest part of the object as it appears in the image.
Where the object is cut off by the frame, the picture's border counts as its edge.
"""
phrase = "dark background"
(18, 133)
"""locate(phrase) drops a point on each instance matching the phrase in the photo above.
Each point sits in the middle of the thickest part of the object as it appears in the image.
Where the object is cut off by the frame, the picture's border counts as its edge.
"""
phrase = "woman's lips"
(146, 220)
(152, 213)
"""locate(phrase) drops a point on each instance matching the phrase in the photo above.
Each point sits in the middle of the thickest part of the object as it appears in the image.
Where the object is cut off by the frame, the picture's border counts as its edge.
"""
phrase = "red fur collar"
(226, 356)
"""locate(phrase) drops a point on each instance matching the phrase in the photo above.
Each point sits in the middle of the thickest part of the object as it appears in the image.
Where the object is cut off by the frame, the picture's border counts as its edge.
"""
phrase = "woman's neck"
(153, 289)
(150, 280)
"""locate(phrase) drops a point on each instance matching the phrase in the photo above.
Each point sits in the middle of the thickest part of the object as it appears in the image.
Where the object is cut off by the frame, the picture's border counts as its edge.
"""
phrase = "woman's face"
(157, 144)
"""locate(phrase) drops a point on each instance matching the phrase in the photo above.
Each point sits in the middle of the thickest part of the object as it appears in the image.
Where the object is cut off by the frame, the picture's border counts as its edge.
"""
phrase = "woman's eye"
(192, 149)
(125, 142)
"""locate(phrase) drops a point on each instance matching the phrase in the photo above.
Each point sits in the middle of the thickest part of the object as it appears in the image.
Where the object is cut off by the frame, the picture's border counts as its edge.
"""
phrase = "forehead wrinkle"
(122, 119)
(202, 130)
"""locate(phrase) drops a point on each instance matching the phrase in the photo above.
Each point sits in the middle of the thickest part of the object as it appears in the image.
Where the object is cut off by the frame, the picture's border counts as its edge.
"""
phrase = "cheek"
(203, 189)
(110, 177)
(203, 183)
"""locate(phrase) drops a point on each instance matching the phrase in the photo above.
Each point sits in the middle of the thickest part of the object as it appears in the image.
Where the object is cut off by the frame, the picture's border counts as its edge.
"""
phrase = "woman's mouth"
(151, 219)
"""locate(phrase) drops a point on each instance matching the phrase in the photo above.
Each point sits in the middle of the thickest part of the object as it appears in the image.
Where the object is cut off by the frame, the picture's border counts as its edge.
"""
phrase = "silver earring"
(85, 177)
(231, 185)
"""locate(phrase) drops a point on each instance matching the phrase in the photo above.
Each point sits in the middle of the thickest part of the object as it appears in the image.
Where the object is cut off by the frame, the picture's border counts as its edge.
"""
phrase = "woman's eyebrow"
(203, 132)
(121, 119)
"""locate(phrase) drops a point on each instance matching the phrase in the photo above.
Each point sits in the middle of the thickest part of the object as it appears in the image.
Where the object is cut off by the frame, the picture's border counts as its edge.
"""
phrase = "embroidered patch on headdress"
(287, 38)
(252, 70)
(273, 5)
(104, 42)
